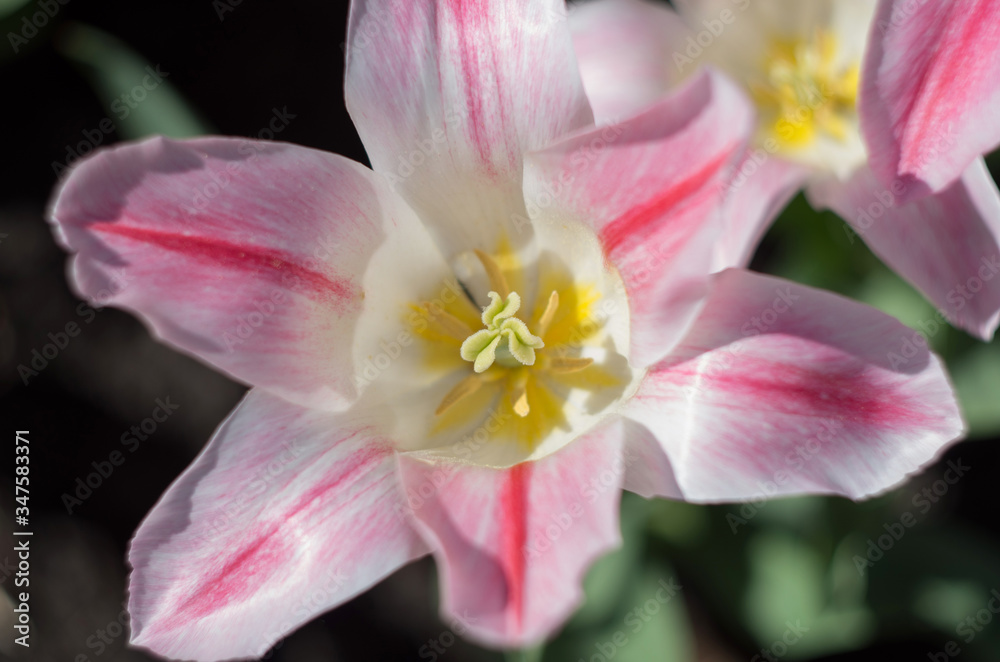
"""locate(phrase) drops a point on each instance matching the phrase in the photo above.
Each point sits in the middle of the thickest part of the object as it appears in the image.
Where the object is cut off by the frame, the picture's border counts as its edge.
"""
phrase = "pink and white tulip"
(391, 417)
(882, 110)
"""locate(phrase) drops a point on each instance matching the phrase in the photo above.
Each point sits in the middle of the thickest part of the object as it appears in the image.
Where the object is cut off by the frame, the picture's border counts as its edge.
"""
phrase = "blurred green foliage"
(136, 93)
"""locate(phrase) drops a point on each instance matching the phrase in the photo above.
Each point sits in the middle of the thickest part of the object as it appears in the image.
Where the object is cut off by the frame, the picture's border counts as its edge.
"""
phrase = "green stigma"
(484, 347)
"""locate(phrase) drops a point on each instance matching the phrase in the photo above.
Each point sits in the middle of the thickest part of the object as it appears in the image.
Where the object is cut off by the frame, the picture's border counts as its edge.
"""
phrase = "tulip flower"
(886, 130)
(470, 349)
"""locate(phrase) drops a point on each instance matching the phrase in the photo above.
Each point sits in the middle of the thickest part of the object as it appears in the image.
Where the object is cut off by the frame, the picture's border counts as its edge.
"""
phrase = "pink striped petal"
(651, 187)
(287, 513)
(448, 95)
(513, 544)
(946, 245)
(782, 389)
(760, 188)
(248, 255)
(625, 48)
(649, 472)
(930, 89)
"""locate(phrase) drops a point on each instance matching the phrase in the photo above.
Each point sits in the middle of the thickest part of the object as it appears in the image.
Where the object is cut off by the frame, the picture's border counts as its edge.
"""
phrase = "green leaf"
(649, 624)
(888, 292)
(609, 577)
(976, 374)
(8, 7)
(788, 607)
(136, 94)
(680, 523)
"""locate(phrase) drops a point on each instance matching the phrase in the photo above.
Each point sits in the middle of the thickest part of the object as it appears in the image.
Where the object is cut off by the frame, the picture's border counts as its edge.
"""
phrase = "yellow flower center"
(806, 92)
(501, 369)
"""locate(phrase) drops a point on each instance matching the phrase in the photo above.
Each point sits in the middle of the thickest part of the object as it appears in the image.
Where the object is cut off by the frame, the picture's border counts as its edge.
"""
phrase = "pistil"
(484, 347)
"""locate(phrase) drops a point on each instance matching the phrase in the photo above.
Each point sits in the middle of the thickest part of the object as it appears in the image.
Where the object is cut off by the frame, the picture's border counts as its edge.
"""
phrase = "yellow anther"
(550, 312)
(450, 324)
(497, 280)
(519, 394)
(461, 391)
(806, 91)
(567, 364)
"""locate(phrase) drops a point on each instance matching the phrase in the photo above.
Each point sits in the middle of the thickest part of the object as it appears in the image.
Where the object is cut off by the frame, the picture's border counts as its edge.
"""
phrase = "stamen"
(453, 326)
(807, 92)
(497, 280)
(462, 390)
(550, 312)
(568, 364)
(519, 394)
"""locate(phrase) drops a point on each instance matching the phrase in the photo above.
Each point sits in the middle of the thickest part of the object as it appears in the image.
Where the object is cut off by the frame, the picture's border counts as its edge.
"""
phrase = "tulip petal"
(761, 187)
(624, 49)
(287, 513)
(930, 89)
(947, 245)
(782, 389)
(649, 472)
(248, 255)
(651, 188)
(448, 95)
(513, 544)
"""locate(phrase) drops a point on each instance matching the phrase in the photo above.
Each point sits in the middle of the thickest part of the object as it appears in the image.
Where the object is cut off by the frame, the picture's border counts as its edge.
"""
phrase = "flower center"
(491, 355)
(806, 92)
(505, 339)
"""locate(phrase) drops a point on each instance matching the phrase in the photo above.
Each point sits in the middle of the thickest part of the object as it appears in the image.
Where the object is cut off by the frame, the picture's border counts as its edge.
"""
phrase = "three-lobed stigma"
(505, 340)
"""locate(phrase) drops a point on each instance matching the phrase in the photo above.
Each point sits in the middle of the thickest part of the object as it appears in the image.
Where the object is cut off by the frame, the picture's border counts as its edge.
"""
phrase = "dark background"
(232, 71)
